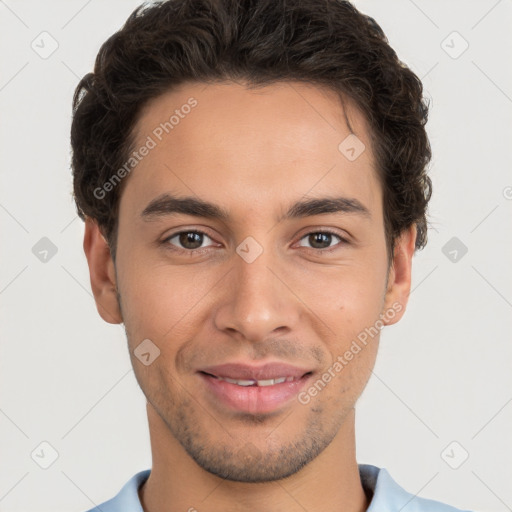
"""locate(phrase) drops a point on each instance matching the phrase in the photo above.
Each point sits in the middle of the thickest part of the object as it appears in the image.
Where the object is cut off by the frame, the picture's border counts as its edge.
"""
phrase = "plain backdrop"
(437, 412)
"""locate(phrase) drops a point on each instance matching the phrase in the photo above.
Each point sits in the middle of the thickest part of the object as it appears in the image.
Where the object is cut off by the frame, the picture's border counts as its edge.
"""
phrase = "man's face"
(262, 287)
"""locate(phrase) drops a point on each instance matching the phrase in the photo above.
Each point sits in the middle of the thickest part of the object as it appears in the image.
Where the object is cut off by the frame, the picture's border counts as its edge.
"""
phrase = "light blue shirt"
(388, 496)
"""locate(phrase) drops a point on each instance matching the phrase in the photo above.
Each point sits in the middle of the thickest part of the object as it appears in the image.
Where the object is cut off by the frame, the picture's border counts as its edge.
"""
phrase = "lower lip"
(254, 399)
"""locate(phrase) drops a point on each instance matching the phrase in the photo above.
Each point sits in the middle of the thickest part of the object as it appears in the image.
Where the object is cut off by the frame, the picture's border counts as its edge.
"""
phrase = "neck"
(330, 482)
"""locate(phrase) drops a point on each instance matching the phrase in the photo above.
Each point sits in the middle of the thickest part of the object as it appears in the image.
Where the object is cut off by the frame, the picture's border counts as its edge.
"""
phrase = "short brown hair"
(326, 43)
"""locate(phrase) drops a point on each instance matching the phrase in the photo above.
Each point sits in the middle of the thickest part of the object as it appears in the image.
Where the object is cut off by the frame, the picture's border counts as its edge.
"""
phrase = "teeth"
(267, 382)
(239, 382)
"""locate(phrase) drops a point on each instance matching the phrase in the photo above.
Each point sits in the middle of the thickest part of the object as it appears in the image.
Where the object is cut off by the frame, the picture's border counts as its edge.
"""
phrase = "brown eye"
(321, 240)
(187, 240)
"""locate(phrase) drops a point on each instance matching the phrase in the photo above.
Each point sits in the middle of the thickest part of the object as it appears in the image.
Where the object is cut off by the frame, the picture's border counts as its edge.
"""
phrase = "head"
(238, 116)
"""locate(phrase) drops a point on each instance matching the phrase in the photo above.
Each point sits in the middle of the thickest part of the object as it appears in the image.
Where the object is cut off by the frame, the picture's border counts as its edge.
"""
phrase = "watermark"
(455, 455)
(146, 352)
(454, 44)
(304, 397)
(135, 157)
(44, 454)
(351, 147)
(454, 249)
(44, 44)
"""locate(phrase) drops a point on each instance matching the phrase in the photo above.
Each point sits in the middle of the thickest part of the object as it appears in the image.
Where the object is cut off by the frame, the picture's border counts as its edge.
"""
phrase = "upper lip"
(248, 372)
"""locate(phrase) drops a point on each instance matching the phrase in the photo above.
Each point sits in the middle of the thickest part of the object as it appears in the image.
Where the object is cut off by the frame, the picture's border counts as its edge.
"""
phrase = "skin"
(253, 152)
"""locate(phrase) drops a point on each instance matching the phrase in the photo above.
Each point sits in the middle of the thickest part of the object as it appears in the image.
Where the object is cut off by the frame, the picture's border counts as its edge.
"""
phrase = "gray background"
(443, 374)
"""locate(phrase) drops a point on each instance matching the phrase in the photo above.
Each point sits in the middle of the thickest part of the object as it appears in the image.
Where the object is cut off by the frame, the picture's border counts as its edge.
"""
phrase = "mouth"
(258, 383)
(250, 395)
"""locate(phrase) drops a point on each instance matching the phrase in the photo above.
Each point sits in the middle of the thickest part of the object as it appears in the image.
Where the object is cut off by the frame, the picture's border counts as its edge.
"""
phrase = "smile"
(252, 382)
(252, 395)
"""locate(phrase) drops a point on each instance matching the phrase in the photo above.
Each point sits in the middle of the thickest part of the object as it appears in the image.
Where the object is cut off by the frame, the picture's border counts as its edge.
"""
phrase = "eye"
(190, 241)
(323, 238)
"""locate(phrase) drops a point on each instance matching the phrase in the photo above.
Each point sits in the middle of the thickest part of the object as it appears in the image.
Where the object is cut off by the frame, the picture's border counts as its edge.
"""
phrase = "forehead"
(250, 148)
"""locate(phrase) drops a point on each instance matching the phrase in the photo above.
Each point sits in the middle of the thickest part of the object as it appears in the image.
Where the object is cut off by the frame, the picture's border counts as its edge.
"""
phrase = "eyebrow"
(168, 205)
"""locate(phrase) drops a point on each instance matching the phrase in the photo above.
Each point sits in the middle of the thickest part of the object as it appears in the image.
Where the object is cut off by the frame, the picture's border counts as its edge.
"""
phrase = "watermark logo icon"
(44, 45)
(455, 455)
(44, 250)
(454, 45)
(454, 249)
(351, 147)
(249, 249)
(146, 352)
(44, 455)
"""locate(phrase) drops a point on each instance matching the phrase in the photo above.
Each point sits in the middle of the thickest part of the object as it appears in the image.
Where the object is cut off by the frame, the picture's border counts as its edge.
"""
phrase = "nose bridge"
(255, 301)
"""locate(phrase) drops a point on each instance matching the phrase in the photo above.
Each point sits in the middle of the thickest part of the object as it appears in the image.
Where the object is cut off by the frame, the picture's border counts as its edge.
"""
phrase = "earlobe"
(399, 280)
(102, 273)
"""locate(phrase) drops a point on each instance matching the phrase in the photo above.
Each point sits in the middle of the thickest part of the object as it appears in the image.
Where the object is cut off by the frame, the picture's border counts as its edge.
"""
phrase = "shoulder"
(388, 496)
(127, 499)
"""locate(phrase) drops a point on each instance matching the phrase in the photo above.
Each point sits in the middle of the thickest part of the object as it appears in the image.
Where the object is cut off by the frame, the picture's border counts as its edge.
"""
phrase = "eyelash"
(193, 252)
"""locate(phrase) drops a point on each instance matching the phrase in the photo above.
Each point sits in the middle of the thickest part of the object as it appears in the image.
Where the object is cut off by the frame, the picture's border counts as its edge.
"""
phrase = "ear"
(399, 279)
(102, 273)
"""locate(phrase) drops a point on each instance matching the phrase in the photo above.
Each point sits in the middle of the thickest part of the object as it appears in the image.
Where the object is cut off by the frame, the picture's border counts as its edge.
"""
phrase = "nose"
(257, 300)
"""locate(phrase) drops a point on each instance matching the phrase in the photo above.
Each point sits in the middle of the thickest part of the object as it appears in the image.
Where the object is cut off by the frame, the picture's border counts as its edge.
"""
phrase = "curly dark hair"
(325, 43)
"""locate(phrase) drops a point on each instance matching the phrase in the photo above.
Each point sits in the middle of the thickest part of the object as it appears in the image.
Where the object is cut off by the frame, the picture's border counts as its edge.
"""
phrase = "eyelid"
(186, 229)
(327, 229)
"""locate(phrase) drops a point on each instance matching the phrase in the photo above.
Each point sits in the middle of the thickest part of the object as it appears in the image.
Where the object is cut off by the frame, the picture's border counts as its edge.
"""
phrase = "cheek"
(349, 303)
(348, 298)
(157, 298)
